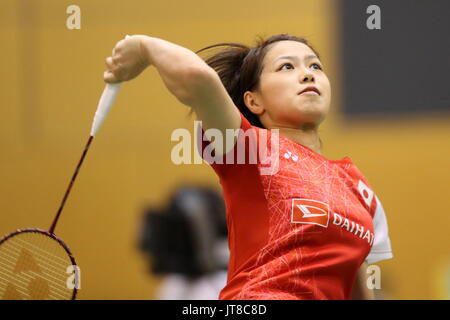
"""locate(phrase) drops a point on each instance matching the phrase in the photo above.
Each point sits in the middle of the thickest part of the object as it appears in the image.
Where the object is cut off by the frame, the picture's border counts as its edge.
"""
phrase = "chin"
(311, 114)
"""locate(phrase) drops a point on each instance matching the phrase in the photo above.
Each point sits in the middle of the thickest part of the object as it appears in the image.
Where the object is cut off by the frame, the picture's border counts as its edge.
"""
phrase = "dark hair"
(239, 68)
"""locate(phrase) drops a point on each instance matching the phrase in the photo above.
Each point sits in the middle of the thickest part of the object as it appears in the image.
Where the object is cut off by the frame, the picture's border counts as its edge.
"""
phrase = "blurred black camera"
(189, 235)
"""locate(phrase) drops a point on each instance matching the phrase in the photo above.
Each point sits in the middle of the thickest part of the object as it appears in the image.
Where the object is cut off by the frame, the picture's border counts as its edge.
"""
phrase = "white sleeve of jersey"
(381, 248)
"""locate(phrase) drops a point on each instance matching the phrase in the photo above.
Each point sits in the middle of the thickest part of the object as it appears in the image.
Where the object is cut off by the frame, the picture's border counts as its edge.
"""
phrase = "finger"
(109, 77)
(119, 46)
(115, 60)
(109, 63)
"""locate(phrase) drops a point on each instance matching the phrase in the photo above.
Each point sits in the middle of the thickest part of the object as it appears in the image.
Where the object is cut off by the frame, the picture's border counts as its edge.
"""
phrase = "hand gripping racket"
(35, 264)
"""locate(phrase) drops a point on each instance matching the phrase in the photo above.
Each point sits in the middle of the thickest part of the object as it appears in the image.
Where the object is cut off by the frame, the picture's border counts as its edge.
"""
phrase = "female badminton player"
(309, 229)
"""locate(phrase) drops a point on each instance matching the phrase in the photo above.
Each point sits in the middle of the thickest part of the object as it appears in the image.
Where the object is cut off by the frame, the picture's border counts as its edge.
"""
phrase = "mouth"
(310, 91)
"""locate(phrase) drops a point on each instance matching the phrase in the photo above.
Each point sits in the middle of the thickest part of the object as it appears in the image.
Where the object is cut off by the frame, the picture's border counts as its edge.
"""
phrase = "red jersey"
(301, 232)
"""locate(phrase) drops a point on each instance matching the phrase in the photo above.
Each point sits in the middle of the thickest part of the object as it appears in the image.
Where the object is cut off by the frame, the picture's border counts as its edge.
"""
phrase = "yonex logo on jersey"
(237, 146)
(310, 212)
(290, 155)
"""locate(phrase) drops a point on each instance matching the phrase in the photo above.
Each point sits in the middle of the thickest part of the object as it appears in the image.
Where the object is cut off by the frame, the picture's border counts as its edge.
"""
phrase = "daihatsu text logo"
(308, 211)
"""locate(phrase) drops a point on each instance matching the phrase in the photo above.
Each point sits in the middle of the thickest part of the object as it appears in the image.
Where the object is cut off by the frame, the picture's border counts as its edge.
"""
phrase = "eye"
(318, 67)
(285, 64)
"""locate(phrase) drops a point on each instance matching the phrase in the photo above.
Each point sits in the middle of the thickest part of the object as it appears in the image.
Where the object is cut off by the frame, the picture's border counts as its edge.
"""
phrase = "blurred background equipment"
(408, 52)
(186, 242)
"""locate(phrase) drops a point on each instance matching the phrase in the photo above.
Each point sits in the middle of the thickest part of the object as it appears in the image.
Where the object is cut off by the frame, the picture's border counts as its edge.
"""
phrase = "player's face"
(282, 80)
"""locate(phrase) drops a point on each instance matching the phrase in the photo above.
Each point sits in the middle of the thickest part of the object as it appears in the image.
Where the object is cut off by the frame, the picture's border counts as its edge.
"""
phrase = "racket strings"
(34, 266)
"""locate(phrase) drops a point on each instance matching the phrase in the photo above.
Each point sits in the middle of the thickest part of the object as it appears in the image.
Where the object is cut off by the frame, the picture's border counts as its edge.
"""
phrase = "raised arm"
(184, 73)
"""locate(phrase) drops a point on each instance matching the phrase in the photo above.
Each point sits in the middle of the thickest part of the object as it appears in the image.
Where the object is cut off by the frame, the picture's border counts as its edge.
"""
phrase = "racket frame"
(54, 237)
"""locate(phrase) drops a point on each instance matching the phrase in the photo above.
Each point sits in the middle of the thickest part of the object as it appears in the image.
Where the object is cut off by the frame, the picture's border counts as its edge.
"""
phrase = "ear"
(251, 100)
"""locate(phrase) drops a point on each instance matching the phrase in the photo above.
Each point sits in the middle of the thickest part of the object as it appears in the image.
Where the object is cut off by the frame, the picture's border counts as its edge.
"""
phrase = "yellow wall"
(49, 95)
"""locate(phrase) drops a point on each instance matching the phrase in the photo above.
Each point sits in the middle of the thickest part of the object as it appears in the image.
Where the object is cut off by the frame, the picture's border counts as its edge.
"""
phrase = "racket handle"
(106, 101)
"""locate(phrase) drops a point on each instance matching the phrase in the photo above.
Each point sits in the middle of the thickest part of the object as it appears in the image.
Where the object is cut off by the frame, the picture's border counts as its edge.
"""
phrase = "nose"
(307, 77)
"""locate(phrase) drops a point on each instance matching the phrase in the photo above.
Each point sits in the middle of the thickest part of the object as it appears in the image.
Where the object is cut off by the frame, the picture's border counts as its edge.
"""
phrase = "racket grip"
(106, 101)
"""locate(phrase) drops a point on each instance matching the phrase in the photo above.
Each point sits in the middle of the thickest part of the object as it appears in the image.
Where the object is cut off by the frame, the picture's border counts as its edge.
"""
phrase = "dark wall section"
(403, 67)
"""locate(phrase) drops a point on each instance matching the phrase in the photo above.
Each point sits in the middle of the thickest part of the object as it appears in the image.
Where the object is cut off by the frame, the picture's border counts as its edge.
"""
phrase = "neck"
(307, 136)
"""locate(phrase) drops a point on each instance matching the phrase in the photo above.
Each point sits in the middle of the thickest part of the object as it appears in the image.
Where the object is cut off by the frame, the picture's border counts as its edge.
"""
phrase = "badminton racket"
(35, 264)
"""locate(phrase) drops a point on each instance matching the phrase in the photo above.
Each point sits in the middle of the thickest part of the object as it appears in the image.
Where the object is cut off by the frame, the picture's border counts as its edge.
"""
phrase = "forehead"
(286, 47)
